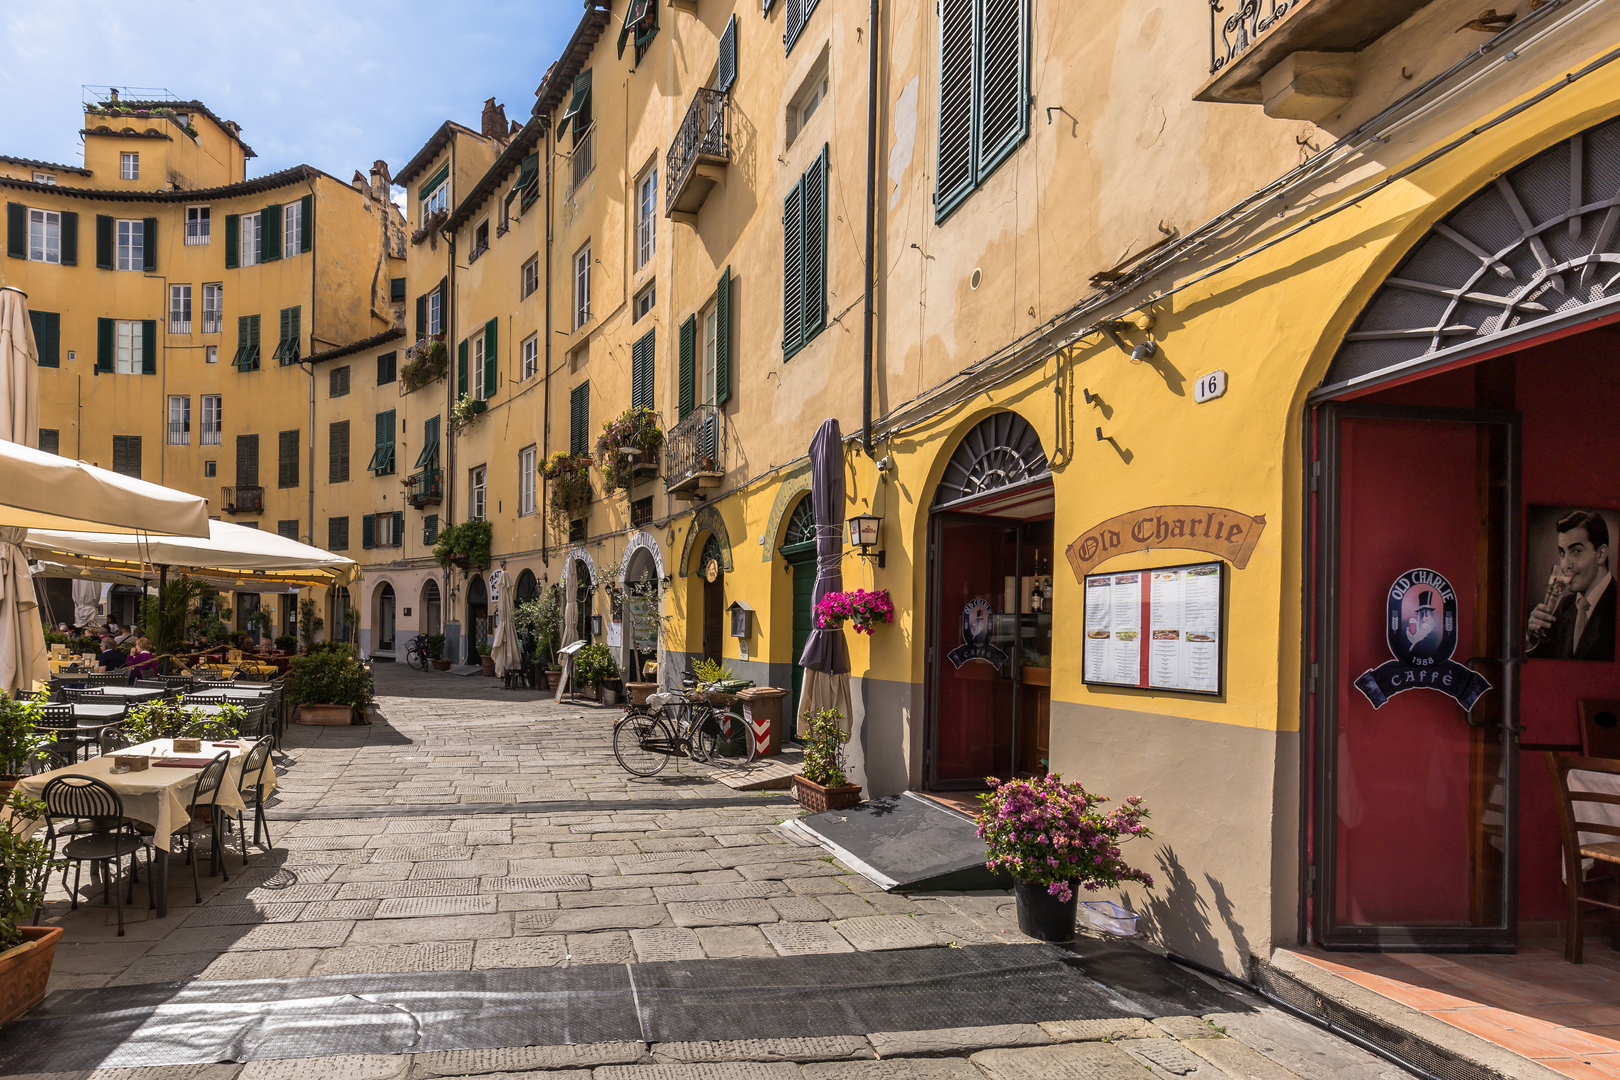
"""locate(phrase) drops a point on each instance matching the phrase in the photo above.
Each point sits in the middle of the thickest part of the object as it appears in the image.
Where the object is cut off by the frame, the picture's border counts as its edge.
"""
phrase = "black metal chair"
(97, 832)
(254, 767)
(211, 684)
(113, 740)
(204, 815)
(103, 678)
(155, 684)
(58, 719)
(205, 699)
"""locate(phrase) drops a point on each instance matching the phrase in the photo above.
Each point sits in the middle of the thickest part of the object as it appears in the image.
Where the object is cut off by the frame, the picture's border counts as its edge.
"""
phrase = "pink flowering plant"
(1046, 832)
(868, 609)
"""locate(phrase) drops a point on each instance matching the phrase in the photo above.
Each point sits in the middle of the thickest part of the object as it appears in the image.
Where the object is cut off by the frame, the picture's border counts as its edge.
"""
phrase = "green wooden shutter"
(958, 101)
(105, 344)
(490, 366)
(149, 244)
(70, 238)
(287, 459)
(295, 333)
(233, 240)
(579, 419)
(421, 316)
(642, 355)
(815, 246)
(727, 73)
(368, 531)
(793, 271)
(104, 242)
(430, 444)
(722, 339)
(798, 13)
(270, 233)
(399, 528)
(281, 342)
(148, 346)
(47, 337)
(529, 180)
(306, 214)
(247, 461)
(243, 338)
(253, 348)
(1002, 82)
(461, 369)
(337, 452)
(17, 230)
(688, 365)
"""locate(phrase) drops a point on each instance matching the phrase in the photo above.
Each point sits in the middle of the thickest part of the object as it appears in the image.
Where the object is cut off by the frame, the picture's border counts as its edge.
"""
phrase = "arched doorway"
(342, 625)
(711, 573)
(385, 618)
(989, 613)
(527, 587)
(584, 600)
(798, 550)
(477, 618)
(639, 618)
(432, 608)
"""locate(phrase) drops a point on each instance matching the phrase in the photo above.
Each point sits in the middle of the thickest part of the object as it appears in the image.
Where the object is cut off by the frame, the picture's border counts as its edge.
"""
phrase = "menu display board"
(1159, 629)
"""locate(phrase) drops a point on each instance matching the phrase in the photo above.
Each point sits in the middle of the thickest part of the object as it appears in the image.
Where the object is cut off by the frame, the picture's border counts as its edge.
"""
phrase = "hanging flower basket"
(868, 610)
(570, 478)
(629, 441)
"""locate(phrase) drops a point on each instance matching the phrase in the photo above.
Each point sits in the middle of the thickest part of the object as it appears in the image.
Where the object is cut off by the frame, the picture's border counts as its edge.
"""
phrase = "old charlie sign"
(1224, 533)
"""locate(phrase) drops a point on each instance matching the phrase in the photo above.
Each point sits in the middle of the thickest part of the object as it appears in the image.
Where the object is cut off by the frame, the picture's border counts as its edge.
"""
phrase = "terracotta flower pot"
(553, 677)
(326, 715)
(441, 665)
(488, 663)
(25, 970)
(817, 799)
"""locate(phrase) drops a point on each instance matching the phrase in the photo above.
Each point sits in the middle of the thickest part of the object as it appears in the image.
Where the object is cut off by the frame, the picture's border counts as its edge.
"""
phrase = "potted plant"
(822, 785)
(629, 441)
(868, 609)
(329, 686)
(465, 545)
(286, 643)
(435, 652)
(594, 665)
(570, 478)
(466, 410)
(167, 719)
(26, 952)
(1054, 839)
(309, 623)
(431, 364)
(20, 744)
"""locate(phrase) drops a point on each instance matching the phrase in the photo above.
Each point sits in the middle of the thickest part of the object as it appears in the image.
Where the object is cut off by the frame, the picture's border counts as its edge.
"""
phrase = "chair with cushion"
(204, 815)
(256, 769)
(89, 815)
(1588, 794)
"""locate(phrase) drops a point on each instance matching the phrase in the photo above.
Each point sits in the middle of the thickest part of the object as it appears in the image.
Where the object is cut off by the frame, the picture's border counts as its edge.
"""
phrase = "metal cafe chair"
(93, 816)
(113, 740)
(59, 720)
(205, 815)
(254, 766)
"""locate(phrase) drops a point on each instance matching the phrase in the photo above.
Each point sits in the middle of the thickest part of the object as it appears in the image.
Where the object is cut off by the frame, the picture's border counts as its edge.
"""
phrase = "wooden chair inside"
(1600, 727)
(1587, 833)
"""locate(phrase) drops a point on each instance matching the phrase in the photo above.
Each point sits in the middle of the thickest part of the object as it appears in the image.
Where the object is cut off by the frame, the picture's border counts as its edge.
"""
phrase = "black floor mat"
(840, 994)
(906, 842)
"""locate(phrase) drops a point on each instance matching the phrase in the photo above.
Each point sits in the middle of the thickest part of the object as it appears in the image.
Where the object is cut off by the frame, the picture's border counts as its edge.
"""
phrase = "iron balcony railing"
(425, 487)
(1232, 31)
(242, 499)
(695, 450)
(704, 136)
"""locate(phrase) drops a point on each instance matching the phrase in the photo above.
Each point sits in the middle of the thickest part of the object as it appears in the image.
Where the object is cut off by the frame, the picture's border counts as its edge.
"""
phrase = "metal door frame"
(1321, 879)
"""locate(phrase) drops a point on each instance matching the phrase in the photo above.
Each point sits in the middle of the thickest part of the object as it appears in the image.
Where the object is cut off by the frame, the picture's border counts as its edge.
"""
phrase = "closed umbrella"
(826, 655)
(504, 646)
(86, 601)
(22, 639)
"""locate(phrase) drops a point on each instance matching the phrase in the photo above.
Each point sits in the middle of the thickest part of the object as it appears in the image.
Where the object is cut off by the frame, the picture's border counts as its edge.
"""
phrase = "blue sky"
(334, 85)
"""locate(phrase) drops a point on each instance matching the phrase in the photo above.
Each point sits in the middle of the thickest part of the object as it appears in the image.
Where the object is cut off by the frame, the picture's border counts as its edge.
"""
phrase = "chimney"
(381, 182)
(494, 126)
(516, 127)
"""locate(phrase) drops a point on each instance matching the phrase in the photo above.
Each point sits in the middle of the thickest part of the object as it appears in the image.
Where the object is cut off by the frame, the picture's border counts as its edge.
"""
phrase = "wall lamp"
(863, 533)
(1142, 321)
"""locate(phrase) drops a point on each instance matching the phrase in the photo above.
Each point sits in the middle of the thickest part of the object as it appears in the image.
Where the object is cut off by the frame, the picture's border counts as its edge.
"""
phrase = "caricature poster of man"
(1569, 583)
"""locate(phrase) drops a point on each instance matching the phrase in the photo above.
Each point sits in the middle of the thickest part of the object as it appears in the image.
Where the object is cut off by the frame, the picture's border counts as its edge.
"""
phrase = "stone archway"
(706, 521)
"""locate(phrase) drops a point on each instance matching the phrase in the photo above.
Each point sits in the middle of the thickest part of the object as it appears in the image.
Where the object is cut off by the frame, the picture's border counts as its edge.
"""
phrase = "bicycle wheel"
(418, 659)
(630, 736)
(726, 739)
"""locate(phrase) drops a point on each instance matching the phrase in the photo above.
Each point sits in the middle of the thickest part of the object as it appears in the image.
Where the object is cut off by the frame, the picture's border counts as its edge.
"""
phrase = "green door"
(799, 550)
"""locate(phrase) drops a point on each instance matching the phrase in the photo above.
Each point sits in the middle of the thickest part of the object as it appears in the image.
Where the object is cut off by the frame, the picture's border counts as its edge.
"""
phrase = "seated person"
(112, 658)
(142, 659)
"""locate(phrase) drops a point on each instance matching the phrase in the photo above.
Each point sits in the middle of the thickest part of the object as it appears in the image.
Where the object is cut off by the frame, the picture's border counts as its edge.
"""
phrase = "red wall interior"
(1568, 396)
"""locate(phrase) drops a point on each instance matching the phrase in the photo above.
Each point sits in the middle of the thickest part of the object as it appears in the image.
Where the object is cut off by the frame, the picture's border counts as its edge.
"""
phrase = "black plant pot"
(1043, 916)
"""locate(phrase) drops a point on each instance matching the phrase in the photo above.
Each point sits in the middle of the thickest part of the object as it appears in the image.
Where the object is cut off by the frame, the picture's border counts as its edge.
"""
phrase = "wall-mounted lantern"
(863, 533)
(742, 619)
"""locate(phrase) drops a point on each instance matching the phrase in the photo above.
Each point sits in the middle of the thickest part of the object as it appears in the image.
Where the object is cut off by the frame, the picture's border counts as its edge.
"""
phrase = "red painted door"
(974, 665)
(1418, 793)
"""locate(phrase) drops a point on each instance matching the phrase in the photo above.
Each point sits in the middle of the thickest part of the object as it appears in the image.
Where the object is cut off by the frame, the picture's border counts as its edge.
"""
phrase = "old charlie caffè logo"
(1422, 632)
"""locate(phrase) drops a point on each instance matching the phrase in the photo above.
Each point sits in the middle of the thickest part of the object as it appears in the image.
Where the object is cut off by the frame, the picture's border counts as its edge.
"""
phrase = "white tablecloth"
(158, 795)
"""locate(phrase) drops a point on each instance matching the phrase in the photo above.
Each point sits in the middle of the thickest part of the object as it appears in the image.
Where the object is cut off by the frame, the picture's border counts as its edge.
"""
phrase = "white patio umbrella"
(231, 555)
(504, 646)
(22, 639)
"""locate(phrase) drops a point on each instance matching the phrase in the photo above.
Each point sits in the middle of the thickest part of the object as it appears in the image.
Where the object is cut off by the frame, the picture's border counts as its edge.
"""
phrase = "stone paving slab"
(878, 932)
(411, 907)
(1097, 1030)
(346, 1067)
(1065, 1061)
(459, 1063)
(724, 913)
(895, 1069)
(824, 1048)
(718, 1070)
(955, 1041)
(1169, 1058)
(805, 939)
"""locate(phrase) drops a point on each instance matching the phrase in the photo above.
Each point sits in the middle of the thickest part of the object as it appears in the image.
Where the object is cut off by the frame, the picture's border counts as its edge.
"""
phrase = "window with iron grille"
(337, 534)
(337, 456)
(983, 93)
(213, 419)
(287, 459)
(338, 382)
(213, 309)
(526, 477)
(179, 309)
(641, 511)
(126, 454)
(287, 528)
(646, 216)
(197, 226)
(531, 277)
(179, 420)
(50, 440)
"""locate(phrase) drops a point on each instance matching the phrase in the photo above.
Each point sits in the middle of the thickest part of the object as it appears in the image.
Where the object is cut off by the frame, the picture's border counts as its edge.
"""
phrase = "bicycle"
(416, 652)
(679, 724)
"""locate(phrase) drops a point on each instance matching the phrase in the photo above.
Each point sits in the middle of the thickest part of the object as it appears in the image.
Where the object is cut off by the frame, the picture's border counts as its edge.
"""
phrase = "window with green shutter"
(287, 348)
(306, 223)
(722, 339)
(578, 112)
(337, 453)
(149, 244)
(688, 366)
(247, 343)
(127, 455)
(47, 337)
(798, 13)
(106, 345)
(804, 258)
(247, 461)
(148, 346)
(983, 93)
(287, 528)
(642, 358)
(726, 73)
(461, 369)
(368, 531)
(579, 419)
(640, 20)
(528, 181)
(233, 239)
(287, 460)
(104, 242)
(382, 457)
(337, 534)
(270, 233)
(17, 230)
(490, 366)
(429, 457)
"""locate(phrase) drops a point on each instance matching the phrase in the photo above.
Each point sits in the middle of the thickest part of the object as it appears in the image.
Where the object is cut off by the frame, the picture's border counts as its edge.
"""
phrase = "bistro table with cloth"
(159, 795)
(123, 695)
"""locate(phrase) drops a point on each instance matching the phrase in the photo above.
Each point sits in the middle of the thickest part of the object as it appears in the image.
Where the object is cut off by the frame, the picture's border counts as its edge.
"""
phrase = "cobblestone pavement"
(473, 828)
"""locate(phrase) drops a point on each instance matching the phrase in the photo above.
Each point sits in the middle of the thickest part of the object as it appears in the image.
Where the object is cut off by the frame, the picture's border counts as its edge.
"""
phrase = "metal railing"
(705, 132)
(695, 447)
(583, 160)
(242, 499)
(1232, 33)
(179, 432)
(425, 487)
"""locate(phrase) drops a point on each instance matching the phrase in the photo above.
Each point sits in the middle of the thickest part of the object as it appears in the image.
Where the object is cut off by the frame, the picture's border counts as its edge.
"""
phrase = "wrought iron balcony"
(699, 155)
(695, 453)
(425, 488)
(242, 499)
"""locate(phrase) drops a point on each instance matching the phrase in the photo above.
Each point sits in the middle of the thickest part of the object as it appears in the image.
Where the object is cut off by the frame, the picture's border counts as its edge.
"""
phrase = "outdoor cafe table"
(237, 693)
(91, 711)
(158, 795)
(129, 694)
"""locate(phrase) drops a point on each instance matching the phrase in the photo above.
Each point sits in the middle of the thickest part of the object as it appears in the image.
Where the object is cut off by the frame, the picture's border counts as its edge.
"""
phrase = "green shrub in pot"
(594, 665)
(166, 719)
(25, 864)
(435, 646)
(331, 676)
(20, 744)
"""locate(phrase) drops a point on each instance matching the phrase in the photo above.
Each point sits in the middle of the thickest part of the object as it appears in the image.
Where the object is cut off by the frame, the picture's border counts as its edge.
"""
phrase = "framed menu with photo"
(1157, 629)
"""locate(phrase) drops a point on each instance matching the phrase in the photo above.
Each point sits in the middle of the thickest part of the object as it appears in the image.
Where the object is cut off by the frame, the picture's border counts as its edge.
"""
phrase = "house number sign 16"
(1209, 387)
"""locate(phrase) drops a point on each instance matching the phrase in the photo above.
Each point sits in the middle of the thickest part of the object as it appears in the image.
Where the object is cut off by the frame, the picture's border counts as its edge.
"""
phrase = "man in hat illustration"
(1576, 622)
(1422, 625)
